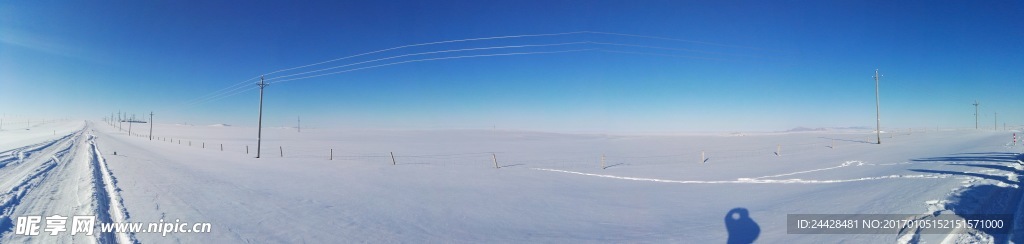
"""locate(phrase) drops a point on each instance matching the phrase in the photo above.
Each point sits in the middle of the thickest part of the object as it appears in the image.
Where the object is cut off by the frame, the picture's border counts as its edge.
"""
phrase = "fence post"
(246, 149)
(332, 154)
(282, 150)
(602, 161)
(495, 158)
(204, 144)
(778, 150)
(222, 147)
(702, 158)
(393, 159)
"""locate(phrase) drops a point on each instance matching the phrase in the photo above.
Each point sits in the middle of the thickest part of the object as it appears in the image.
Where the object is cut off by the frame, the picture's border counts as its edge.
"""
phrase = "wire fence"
(564, 159)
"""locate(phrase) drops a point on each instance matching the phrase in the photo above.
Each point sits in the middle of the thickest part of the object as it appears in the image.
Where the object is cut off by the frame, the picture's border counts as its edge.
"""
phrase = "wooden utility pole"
(259, 124)
(878, 117)
(150, 125)
(130, 124)
(976, 114)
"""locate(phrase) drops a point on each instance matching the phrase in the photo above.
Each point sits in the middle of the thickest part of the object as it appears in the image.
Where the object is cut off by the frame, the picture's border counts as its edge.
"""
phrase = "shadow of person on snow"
(742, 229)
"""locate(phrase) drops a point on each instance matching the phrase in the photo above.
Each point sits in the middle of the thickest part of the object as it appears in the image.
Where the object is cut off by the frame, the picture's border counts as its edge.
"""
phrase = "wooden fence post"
(332, 154)
(246, 149)
(702, 158)
(393, 159)
(282, 150)
(495, 158)
(222, 147)
(602, 161)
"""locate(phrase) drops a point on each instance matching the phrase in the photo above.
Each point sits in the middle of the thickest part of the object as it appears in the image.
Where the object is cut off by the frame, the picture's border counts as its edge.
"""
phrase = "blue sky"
(731, 66)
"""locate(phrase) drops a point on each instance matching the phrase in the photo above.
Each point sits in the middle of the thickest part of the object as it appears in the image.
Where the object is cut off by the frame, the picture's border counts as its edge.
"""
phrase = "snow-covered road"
(465, 199)
(58, 176)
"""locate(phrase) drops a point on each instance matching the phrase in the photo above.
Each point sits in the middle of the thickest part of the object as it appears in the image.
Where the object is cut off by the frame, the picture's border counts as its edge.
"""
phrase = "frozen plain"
(444, 186)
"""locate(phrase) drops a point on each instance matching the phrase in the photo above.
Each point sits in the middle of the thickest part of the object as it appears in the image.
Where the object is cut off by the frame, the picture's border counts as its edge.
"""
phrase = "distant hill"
(803, 129)
(806, 129)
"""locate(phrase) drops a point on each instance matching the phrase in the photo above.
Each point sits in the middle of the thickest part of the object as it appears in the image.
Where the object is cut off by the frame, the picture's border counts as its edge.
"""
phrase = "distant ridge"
(803, 129)
(806, 129)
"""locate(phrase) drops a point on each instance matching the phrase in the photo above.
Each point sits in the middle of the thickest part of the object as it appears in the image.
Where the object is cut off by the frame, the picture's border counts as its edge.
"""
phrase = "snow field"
(549, 187)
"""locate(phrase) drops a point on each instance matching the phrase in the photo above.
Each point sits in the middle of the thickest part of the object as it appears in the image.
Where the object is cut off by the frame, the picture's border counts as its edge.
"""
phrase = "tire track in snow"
(110, 205)
(754, 180)
(18, 155)
(845, 164)
(18, 180)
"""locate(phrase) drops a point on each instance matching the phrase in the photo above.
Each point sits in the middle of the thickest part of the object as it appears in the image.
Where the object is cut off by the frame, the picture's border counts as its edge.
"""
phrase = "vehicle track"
(27, 170)
(68, 177)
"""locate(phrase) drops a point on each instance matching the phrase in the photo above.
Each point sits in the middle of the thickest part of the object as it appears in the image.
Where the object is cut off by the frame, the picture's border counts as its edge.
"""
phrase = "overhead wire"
(425, 53)
(212, 94)
(234, 89)
(669, 39)
(430, 43)
(218, 93)
(433, 58)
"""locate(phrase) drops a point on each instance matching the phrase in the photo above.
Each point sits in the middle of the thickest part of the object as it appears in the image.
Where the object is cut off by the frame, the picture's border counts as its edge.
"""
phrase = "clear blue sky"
(756, 65)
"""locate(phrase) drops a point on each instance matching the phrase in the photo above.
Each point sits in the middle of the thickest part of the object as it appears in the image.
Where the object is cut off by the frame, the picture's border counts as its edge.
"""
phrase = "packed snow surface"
(485, 186)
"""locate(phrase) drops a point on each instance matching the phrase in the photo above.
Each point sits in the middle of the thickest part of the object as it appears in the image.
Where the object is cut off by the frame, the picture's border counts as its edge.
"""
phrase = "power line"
(277, 79)
(668, 39)
(234, 89)
(658, 54)
(663, 48)
(518, 46)
(425, 53)
(219, 91)
(511, 37)
(434, 58)
(430, 43)
(192, 102)
(245, 89)
(223, 95)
